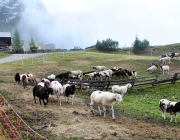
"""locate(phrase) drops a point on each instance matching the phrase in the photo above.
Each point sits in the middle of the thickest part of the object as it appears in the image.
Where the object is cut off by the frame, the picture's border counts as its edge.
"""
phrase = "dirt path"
(15, 57)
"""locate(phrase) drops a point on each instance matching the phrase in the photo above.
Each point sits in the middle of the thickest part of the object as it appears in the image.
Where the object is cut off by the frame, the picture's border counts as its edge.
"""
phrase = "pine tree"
(17, 42)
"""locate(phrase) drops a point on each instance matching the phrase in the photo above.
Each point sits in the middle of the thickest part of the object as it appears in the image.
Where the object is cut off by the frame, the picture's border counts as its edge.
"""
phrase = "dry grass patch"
(80, 62)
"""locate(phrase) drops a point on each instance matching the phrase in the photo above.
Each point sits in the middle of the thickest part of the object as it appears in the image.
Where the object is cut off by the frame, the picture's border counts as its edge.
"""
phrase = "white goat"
(105, 99)
(164, 68)
(121, 89)
(76, 72)
(57, 89)
(100, 68)
(52, 77)
(90, 75)
(164, 59)
(153, 68)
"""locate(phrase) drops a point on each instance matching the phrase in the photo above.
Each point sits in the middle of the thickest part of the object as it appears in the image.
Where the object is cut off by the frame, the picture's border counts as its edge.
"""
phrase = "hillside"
(156, 50)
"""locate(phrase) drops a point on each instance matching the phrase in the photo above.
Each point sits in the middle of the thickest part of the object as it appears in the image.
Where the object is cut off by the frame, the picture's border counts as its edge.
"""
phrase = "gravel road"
(15, 57)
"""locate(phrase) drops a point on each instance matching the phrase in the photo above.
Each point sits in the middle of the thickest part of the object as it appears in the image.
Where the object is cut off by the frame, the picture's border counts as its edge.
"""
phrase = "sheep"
(79, 77)
(170, 107)
(131, 73)
(29, 75)
(172, 55)
(88, 72)
(154, 63)
(51, 77)
(116, 68)
(63, 77)
(165, 68)
(121, 89)
(18, 77)
(42, 93)
(105, 73)
(32, 79)
(153, 68)
(120, 73)
(45, 80)
(76, 72)
(44, 84)
(164, 55)
(90, 75)
(105, 99)
(69, 91)
(100, 68)
(164, 59)
(57, 89)
(24, 81)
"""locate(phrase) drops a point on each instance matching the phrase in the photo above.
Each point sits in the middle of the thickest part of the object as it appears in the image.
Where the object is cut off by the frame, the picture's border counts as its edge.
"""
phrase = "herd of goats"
(50, 85)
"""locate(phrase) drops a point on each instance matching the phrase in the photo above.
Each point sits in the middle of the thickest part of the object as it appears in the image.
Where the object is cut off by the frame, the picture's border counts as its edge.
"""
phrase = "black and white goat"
(131, 73)
(106, 73)
(69, 91)
(169, 106)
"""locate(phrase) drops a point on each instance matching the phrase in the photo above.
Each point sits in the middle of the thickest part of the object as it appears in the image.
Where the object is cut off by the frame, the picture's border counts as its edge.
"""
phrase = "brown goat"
(32, 79)
(24, 81)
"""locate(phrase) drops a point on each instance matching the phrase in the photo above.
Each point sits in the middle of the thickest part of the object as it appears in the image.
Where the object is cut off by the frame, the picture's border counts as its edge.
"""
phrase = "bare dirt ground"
(68, 121)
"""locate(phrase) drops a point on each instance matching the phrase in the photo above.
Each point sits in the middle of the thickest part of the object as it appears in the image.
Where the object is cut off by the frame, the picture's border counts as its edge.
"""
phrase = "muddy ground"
(68, 121)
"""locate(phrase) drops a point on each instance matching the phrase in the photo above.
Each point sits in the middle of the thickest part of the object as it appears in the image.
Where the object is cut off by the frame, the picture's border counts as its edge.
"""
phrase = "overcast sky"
(83, 22)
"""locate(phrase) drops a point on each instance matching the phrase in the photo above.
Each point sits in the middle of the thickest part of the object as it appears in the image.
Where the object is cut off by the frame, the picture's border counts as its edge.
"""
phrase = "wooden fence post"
(155, 80)
(32, 60)
(22, 62)
(174, 79)
(108, 83)
(81, 87)
(133, 81)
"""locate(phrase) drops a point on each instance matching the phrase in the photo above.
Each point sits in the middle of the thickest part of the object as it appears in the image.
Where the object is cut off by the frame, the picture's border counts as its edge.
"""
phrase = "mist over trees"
(10, 14)
(22, 16)
(139, 46)
(107, 45)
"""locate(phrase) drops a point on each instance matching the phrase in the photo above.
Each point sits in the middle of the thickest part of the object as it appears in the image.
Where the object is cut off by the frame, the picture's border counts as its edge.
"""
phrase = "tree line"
(112, 45)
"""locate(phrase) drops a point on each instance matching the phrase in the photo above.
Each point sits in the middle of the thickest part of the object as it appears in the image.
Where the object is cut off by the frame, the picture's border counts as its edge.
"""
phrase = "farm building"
(5, 39)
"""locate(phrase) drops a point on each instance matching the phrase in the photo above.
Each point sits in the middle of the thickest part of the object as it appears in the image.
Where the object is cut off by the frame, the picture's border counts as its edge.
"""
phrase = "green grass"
(2, 55)
(143, 103)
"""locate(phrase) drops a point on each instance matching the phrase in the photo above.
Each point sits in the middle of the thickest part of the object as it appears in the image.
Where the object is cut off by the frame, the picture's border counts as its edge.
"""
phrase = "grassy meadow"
(140, 103)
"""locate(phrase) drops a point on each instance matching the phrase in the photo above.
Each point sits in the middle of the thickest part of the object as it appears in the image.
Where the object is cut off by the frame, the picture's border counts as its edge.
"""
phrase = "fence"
(12, 126)
(147, 81)
(40, 58)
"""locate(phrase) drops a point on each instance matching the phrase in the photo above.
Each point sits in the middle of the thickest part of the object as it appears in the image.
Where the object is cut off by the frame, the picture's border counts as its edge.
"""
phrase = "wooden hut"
(5, 39)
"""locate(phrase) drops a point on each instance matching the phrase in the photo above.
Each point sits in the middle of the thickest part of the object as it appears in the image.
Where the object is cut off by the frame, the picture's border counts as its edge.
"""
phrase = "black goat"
(42, 93)
(119, 73)
(17, 78)
(63, 77)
